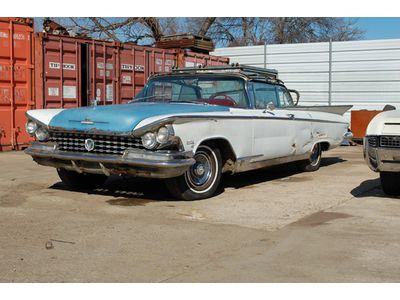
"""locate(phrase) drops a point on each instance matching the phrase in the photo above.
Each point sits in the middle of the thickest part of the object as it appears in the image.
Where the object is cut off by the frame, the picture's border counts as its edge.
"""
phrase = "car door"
(301, 125)
(273, 129)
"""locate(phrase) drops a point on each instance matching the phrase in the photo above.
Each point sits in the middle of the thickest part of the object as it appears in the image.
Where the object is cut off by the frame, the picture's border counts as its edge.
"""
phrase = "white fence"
(365, 74)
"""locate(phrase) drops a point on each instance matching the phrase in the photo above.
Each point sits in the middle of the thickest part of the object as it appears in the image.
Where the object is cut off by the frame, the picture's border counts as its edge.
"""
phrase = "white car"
(187, 127)
(382, 149)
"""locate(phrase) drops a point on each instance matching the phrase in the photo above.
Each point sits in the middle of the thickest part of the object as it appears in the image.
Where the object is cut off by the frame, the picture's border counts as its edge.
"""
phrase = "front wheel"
(314, 162)
(390, 182)
(202, 179)
(81, 180)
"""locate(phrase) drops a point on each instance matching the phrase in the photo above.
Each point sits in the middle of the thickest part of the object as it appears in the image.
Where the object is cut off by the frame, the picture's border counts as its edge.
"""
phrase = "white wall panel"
(366, 55)
(300, 67)
(305, 77)
(366, 45)
(371, 77)
(366, 87)
(297, 48)
(370, 66)
(365, 74)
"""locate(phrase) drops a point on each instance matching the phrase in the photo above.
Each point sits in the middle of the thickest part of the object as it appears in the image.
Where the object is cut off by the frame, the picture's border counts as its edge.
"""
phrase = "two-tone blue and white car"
(188, 127)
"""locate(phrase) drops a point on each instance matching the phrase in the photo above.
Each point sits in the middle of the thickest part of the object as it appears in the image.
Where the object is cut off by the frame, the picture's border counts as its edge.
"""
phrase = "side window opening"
(188, 93)
(213, 90)
(264, 93)
(285, 98)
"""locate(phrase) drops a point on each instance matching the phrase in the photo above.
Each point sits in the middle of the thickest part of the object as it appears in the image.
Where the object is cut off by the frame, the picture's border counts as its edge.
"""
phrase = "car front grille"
(103, 144)
(373, 141)
(390, 141)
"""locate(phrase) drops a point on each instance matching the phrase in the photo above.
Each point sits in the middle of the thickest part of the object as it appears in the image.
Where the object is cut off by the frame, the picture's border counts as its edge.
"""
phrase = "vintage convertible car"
(382, 149)
(188, 127)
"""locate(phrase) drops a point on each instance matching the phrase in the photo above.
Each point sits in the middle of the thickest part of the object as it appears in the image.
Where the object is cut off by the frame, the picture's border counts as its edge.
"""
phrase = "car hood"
(387, 122)
(123, 118)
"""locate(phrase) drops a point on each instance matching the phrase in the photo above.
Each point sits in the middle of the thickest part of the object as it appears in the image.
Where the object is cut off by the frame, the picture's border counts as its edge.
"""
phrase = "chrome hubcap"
(315, 154)
(200, 173)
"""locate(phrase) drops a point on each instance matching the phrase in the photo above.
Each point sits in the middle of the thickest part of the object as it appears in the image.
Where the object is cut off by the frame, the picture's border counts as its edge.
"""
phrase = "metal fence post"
(265, 54)
(330, 74)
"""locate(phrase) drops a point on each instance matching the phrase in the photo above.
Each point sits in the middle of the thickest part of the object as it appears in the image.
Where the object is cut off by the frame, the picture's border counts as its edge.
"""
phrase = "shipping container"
(58, 72)
(360, 120)
(16, 80)
(71, 72)
(194, 59)
(136, 64)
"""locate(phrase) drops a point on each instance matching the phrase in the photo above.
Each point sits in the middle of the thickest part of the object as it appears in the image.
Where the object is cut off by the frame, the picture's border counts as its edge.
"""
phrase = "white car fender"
(43, 116)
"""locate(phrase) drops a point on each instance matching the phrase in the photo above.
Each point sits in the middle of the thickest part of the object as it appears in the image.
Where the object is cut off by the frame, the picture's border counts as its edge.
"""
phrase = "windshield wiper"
(190, 101)
(148, 97)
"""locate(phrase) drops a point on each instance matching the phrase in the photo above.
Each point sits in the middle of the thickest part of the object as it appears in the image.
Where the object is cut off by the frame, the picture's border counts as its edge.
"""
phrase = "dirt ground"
(273, 225)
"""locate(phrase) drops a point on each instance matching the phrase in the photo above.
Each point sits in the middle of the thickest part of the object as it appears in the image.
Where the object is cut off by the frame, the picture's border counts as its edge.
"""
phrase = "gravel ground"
(132, 231)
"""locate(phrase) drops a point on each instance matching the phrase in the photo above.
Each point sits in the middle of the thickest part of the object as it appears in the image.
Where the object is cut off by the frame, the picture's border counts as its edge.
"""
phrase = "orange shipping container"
(70, 72)
(194, 59)
(360, 120)
(16, 78)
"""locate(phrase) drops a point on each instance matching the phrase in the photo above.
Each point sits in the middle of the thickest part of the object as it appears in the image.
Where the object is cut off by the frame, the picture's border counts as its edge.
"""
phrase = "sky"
(380, 28)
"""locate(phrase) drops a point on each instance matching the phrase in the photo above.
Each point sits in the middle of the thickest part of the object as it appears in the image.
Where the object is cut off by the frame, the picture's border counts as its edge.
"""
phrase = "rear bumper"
(142, 163)
(382, 159)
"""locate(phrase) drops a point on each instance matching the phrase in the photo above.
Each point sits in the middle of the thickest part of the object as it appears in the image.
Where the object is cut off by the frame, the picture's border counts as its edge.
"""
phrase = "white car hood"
(387, 122)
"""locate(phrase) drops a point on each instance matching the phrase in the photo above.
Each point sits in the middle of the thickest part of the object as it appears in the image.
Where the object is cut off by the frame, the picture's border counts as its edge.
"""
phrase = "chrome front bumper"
(137, 162)
(382, 159)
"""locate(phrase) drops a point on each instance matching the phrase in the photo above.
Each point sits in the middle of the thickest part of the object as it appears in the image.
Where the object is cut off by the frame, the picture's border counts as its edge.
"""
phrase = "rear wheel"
(390, 182)
(81, 180)
(314, 162)
(202, 179)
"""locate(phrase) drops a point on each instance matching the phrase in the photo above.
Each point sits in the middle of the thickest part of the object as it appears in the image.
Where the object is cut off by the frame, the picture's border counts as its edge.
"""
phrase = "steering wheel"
(221, 99)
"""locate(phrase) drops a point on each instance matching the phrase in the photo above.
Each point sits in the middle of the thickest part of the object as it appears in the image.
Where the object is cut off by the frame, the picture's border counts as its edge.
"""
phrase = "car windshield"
(215, 90)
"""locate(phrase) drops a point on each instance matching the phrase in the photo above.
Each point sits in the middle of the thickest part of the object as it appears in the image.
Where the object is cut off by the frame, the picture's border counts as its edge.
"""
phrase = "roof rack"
(249, 71)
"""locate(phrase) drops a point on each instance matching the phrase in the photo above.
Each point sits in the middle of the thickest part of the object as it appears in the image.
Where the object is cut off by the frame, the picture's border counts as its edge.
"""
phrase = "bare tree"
(304, 30)
(225, 31)
(154, 26)
(205, 26)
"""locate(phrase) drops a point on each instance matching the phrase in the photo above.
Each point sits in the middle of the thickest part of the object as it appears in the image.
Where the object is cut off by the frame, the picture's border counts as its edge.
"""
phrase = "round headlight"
(31, 127)
(163, 135)
(42, 134)
(149, 140)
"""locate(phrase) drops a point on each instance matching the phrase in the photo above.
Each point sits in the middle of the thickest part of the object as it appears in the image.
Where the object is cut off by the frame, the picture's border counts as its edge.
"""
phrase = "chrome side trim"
(246, 164)
(182, 119)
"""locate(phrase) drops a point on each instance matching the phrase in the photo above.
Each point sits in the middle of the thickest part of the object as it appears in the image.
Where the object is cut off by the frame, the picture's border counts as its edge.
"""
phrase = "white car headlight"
(42, 134)
(163, 135)
(31, 127)
(149, 140)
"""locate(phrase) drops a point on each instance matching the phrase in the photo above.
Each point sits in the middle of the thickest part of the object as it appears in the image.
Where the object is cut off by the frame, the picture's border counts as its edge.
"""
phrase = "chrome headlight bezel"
(159, 138)
(31, 127)
(164, 134)
(42, 134)
(149, 140)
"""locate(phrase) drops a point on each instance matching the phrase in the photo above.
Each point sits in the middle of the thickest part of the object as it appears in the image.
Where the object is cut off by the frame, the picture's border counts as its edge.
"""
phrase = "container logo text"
(56, 65)
(127, 67)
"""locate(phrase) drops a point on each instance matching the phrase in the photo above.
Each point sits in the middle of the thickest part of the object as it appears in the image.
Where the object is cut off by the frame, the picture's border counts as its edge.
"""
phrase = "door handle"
(291, 116)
